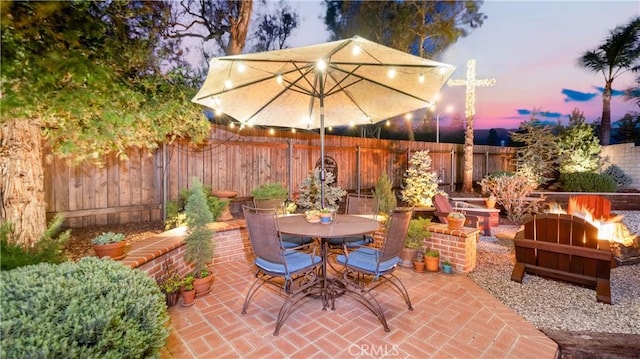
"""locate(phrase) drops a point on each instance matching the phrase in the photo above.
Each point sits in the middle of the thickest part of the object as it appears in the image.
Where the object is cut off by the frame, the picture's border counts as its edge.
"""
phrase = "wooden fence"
(135, 190)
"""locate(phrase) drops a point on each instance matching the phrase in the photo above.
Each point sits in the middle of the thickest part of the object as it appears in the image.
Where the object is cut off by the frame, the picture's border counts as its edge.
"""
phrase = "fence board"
(240, 162)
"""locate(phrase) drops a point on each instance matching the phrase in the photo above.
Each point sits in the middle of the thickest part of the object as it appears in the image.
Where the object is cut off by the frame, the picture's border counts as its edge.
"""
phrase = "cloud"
(578, 96)
(614, 92)
(524, 112)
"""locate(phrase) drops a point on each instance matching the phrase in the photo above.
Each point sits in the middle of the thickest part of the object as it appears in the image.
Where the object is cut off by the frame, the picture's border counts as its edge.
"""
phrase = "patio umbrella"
(346, 82)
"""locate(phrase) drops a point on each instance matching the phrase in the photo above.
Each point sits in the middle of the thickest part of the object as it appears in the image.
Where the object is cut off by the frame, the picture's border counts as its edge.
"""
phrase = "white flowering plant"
(421, 183)
(310, 191)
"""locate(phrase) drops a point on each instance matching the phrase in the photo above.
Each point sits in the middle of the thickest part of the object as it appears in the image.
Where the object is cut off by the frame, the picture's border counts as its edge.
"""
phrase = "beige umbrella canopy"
(346, 82)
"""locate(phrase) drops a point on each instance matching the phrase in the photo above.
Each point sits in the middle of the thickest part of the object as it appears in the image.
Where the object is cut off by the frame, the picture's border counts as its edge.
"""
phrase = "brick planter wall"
(456, 245)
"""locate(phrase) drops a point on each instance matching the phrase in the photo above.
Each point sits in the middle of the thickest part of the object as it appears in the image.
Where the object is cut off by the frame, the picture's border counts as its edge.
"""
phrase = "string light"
(218, 112)
(408, 116)
(356, 50)
(471, 83)
(232, 125)
(272, 131)
(279, 78)
(391, 73)
(321, 65)
(241, 67)
(388, 123)
(228, 84)
(421, 78)
(293, 130)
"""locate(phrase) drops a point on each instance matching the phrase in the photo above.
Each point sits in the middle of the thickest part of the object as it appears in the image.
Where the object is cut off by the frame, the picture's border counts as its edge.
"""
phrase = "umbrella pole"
(322, 176)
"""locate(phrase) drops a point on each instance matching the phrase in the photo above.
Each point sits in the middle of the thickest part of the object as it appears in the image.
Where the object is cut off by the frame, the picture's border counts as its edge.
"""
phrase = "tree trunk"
(22, 183)
(239, 28)
(605, 124)
(467, 177)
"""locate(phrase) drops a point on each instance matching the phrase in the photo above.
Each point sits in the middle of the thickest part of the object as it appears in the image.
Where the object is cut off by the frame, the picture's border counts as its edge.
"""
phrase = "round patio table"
(341, 226)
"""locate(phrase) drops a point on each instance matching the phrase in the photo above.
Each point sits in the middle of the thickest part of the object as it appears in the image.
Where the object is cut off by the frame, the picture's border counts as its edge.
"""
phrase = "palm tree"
(619, 53)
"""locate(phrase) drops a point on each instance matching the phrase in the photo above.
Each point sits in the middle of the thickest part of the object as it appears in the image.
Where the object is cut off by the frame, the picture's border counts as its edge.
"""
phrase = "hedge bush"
(93, 308)
(587, 182)
(618, 175)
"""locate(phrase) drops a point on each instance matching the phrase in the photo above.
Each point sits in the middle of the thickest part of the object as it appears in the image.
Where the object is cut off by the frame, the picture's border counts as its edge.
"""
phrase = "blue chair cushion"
(292, 241)
(366, 259)
(295, 260)
(351, 242)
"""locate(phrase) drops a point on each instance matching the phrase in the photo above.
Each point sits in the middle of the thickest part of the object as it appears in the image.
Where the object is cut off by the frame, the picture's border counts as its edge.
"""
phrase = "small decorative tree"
(383, 192)
(199, 243)
(511, 191)
(310, 191)
(421, 182)
(578, 145)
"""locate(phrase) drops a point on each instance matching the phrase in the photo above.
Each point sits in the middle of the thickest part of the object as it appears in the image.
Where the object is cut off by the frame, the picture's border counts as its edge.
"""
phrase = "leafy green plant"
(199, 241)
(417, 232)
(171, 283)
(175, 209)
(107, 238)
(270, 191)
(537, 157)
(578, 146)
(421, 183)
(187, 282)
(430, 252)
(587, 182)
(618, 175)
(446, 262)
(310, 191)
(49, 249)
(92, 308)
(383, 192)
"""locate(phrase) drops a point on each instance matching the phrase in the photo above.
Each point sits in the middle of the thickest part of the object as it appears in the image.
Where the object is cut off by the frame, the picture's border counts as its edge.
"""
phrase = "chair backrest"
(443, 206)
(362, 204)
(264, 234)
(396, 233)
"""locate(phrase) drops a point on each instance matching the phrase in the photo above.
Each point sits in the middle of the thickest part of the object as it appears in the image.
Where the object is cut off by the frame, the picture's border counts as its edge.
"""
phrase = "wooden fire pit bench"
(566, 248)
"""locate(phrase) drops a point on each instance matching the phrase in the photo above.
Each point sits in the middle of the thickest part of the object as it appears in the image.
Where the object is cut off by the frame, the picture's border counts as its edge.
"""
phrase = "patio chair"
(475, 217)
(357, 205)
(288, 240)
(379, 263)
(278, 265)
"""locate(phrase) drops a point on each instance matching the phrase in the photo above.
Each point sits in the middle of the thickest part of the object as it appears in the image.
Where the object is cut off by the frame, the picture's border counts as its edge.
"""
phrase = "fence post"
(453, 169)
(486, 163)
(358, 184)
(290, 168)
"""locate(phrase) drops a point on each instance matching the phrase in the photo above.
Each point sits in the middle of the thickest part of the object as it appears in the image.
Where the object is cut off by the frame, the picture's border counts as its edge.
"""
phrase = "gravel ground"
(555, 305)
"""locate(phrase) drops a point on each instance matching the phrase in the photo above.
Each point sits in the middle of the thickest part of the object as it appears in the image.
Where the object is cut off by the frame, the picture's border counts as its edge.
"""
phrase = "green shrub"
(270, 191)
(511, 192)
(587, 182)
(92, 308)
(198, 242)
(383, 192)
(417, 233)
(618, 175)
(49, 249)
(175, 209)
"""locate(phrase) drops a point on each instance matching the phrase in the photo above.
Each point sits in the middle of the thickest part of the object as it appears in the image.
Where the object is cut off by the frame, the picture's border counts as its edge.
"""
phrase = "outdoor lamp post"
(448, 109)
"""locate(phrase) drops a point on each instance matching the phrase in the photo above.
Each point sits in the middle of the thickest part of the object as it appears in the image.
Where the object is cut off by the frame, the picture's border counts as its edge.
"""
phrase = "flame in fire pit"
(611, 229)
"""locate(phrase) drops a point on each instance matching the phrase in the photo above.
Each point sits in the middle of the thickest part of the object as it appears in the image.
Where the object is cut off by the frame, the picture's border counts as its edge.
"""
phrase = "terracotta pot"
(418, 266)
(455, 223)
(202, 286)
(491, 203)
(188, 297)
(432, 263)
(113, 250)
(408, 255)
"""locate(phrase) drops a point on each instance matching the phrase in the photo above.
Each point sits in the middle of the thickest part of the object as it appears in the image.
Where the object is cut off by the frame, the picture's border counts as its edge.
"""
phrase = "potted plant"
(199, 246)
(417, 233)
(270, 195)
(310, 191)
(455, 220)
(432, 259)
(421, 182)
(109, 244)
(188, 293)
(491, 201)
(418, 263)
(170, 286)
(325, 216)
(446, 266)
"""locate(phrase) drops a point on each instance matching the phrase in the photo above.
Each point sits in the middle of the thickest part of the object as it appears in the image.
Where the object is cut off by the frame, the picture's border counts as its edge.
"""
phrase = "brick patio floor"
(452, 318)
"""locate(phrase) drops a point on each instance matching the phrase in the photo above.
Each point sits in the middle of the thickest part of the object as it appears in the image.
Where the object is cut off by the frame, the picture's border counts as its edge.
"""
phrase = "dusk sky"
(531, 49)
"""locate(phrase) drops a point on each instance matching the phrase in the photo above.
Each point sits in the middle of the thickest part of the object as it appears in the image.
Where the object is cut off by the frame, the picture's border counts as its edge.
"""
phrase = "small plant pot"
(446, 268)
(432, 263)
(491, 203)
(455, 223)
(325, 218)
(113, 250)
(418, 266)
(202, 286)
(188, 297)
